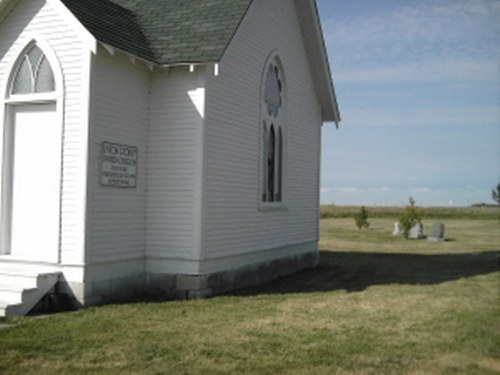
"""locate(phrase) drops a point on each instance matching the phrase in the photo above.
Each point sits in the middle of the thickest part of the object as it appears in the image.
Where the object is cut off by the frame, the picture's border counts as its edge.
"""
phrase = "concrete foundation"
(201, 286)
(161, 286)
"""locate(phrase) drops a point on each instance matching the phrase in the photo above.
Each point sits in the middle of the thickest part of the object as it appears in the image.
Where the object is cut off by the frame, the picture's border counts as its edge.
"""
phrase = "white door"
(36, 176)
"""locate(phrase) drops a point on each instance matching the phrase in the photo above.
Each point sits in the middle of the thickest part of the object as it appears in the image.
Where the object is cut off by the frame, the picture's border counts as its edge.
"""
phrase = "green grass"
(461, 236)
(377, 304)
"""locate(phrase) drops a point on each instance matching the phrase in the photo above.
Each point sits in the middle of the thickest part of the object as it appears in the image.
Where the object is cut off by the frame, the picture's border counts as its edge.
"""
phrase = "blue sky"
(418, 89)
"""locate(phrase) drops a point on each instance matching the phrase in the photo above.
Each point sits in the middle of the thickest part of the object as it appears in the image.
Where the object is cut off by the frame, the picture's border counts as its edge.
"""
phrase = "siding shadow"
(357, 271)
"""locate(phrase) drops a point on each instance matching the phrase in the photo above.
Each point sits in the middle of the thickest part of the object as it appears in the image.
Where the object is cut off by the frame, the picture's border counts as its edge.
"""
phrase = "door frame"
(9, 102)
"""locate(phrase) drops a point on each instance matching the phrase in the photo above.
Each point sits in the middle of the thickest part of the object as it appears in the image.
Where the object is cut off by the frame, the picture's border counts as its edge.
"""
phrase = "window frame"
(280, 125)
(34, 73)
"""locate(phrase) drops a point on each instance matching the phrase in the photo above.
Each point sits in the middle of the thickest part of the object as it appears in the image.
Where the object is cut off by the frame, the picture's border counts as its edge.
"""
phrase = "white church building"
(158, 147)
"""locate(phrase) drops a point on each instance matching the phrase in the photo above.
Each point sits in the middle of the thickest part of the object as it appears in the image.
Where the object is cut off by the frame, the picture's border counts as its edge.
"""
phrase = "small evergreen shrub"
(410, 218)
(361, 218)
(495, 194)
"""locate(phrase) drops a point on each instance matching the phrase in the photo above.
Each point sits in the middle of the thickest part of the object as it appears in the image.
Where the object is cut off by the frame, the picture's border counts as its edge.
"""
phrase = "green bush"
(361, 218)
(410, 218)
(495, 194)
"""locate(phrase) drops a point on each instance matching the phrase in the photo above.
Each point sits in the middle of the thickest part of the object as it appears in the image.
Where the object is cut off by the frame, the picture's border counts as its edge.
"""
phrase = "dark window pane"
(279, 176)
(271, 164)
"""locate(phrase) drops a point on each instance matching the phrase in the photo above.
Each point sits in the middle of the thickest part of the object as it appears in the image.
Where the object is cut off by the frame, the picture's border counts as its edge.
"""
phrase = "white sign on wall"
(118, 165)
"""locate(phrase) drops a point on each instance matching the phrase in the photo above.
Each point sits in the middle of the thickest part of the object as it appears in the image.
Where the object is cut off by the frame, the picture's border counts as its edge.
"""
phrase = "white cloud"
(420, 190)
(343, 190)
(424, 197)
(420, 42)
(349, 190)
(357, 190)
(428, 71)
(457, 27)
(383, 189)
(407, 115)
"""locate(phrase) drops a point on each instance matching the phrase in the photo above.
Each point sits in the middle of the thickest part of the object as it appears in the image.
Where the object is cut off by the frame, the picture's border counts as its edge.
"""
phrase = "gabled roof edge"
(235, 31)
(88, 39)
(318, 57)
(7, 6)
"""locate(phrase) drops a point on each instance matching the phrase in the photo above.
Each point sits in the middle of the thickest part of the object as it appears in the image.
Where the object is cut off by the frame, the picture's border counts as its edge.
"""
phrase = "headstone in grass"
(397, 229)
(417, 232)
(437, 232)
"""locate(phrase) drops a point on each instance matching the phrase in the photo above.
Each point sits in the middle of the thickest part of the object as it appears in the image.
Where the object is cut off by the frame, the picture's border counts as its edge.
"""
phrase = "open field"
(462, 213)
(462, 236)
(377, 304)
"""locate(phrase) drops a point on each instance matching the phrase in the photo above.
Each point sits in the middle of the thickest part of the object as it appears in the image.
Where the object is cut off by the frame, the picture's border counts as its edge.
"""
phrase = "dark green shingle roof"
(163, 31)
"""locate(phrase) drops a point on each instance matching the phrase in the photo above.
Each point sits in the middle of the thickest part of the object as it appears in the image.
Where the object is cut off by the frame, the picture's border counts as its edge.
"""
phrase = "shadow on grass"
(356, 271)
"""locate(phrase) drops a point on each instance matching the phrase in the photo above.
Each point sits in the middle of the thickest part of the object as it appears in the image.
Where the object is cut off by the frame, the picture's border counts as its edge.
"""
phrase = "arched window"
(34, 74)
(273, 120)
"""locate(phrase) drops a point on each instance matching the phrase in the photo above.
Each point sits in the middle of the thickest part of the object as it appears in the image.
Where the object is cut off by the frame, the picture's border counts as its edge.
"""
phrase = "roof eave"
(112, 50)
(87, 38)
(6, 7)
(320, 67)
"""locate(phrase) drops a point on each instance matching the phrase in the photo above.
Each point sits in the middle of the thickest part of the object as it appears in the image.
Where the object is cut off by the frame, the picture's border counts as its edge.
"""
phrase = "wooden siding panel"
(120, 106)
(233, 223)
(174, 167)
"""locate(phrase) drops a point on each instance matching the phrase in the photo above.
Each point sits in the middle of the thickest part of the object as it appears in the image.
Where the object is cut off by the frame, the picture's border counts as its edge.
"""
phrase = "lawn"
(377, 304)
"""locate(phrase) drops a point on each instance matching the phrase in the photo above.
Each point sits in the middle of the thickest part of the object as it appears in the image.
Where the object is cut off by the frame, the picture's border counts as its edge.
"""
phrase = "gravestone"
(417, 232)
(397, 229)
(437, 232)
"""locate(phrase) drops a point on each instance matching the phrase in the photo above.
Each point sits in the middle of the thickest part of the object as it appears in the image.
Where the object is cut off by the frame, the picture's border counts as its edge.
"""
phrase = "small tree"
(361, 218)
(495, 194)
(410, 218)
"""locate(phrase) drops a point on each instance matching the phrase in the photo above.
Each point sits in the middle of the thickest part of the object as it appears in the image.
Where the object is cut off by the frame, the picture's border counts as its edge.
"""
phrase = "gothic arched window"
(273, 120)
(34, 74)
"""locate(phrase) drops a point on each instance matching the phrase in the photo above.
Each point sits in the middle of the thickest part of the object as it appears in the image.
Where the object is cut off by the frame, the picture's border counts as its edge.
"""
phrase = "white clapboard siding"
(119, 112)
(174, 164)
(232, 221)
(39, 19)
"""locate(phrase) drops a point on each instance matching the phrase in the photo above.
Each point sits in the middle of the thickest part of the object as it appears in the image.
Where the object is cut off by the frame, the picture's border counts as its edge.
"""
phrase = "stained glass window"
(34, 74)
